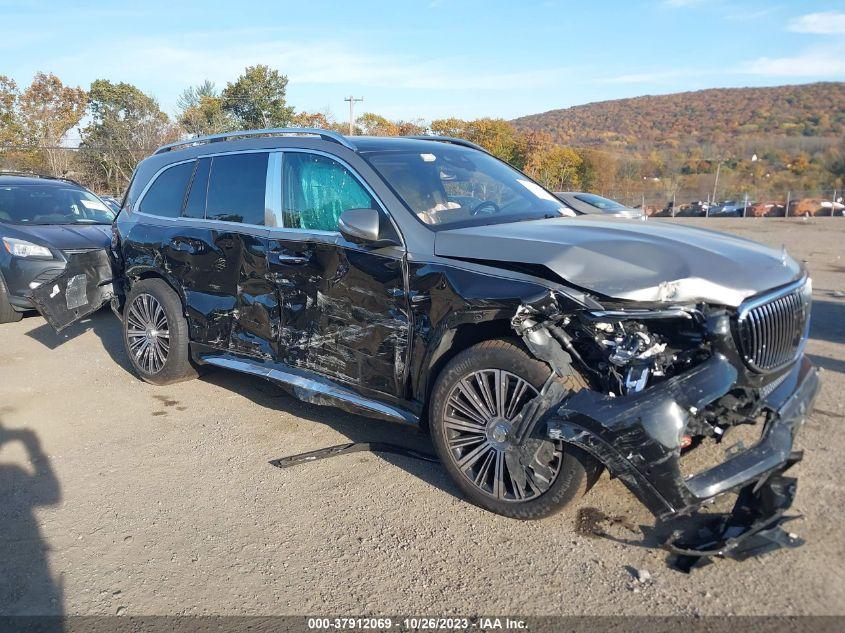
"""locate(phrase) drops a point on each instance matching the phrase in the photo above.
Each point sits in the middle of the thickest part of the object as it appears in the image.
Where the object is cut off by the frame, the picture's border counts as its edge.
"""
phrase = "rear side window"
(316, 190)
(167, 193)
(236, 188)
(195, 205)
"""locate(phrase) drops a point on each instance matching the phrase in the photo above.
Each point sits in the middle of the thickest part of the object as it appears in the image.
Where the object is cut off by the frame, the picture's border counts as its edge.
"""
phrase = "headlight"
(22, 248)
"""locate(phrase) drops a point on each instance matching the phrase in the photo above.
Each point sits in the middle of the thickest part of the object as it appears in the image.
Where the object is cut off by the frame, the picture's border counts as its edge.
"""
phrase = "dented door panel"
(343, 310)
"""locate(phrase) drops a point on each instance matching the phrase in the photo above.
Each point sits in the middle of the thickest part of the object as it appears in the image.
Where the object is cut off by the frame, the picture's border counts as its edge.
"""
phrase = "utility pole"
(352, 101)
(716, 182)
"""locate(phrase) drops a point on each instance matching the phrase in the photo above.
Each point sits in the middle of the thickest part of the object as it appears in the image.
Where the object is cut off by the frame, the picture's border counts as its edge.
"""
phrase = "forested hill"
(717, 116)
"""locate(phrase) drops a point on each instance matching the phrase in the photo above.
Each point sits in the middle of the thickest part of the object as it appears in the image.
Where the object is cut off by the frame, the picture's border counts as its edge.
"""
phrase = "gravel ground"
(121, 497)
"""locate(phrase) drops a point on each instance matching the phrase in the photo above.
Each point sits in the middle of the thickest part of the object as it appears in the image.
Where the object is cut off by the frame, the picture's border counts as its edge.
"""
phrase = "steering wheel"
(487, 204)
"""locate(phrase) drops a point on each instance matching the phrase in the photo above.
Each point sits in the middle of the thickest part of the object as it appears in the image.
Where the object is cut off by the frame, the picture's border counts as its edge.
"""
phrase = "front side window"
(454, 187)
(236, 187)
(316, 190)
(165, 196)
(51, 204)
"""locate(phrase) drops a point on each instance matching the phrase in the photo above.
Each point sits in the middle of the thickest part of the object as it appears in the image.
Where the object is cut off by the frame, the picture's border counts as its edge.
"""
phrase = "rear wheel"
(7, 313)
(155, 333)
(475, 425)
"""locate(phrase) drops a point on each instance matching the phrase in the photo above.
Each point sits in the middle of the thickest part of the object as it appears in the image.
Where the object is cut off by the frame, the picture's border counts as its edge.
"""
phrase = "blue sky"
(431, 58)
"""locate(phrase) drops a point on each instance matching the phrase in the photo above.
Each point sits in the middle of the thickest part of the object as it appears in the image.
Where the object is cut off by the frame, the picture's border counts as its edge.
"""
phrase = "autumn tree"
(48, 111)
(456, 128)
(500, 138)
(558, 168)
(412, 127)
(126, 125)
(319, 120)
(372, 124)
(600, 171)
(9, 123)
(200, 111)
(257, 98)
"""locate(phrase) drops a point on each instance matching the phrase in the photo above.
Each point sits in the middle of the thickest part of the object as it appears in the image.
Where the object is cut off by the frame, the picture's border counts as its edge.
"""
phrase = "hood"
(638, 261)
(62, 236)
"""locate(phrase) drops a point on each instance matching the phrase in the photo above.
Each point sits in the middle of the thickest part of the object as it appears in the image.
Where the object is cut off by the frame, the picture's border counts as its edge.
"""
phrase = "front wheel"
(7, 313)
(155, 333)
(474, 423)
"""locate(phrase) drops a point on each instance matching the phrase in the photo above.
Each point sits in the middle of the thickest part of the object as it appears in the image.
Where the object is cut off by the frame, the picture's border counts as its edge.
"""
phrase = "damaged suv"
(424, 281)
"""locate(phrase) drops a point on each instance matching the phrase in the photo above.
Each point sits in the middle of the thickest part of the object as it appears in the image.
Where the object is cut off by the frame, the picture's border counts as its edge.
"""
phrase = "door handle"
(295, 260)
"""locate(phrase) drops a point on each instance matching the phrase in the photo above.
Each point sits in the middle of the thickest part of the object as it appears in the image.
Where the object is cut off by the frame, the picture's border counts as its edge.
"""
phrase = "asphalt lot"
(118, 497)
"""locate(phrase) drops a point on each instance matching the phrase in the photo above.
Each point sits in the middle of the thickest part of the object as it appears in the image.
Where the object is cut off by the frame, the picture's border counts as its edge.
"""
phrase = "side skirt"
(308, 386)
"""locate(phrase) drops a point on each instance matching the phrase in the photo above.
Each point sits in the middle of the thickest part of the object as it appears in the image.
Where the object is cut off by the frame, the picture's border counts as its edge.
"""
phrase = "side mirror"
(365, 226)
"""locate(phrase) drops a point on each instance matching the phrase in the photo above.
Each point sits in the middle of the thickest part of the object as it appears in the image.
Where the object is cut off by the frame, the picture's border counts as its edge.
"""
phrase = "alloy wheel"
(483, 430)
(147, 333)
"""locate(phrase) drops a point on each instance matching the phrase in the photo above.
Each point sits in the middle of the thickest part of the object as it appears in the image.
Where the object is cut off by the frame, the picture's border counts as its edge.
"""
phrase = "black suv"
(424, 281)
(43, 221)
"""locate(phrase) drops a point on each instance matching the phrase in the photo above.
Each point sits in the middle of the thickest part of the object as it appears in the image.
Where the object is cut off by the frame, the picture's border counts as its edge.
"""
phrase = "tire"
(153, 308)
(7, 313)
(571, 470)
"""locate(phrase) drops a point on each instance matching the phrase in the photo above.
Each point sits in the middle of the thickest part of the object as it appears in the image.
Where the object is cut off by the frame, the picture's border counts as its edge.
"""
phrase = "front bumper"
(19, 273)
(638, 437)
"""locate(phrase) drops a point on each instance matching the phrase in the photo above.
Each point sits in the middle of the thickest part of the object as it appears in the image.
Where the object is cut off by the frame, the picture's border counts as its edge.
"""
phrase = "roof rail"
(326, 135)
(449, 139)
(35, 174)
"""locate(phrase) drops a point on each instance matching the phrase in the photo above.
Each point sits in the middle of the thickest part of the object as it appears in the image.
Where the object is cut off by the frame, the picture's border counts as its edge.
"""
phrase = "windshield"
(456, 187)
(49, 204)
(600, 203)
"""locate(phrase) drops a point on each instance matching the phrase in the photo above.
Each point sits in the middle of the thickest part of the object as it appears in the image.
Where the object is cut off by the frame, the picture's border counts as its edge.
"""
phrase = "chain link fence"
(771, 203)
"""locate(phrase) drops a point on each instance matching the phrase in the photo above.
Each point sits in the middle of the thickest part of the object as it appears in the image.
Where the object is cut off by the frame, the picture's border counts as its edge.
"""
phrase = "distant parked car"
(43, 221)
(815, 207)
(589, 203)
(729, 208)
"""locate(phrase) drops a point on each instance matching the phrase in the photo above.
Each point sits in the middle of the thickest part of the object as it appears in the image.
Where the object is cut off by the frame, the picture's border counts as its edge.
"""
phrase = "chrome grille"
(771, 329)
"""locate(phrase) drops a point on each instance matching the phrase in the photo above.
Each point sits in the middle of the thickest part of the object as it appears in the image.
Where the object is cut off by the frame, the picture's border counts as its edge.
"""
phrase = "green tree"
(257, 98)
(48, 111)
(200, 111)
(126, 125)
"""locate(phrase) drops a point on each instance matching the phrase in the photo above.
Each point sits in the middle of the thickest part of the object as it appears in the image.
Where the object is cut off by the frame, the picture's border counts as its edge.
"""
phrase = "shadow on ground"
(356, 428)
(26, 586)
(102, 323)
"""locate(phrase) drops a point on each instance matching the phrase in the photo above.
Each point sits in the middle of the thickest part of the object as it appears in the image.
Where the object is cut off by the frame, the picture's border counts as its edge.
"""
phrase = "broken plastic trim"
(83, 287)
(354, 447)
(752, 528)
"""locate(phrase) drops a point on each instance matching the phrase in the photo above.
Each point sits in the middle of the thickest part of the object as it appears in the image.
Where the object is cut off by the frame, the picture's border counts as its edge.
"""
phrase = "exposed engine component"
(617, 350)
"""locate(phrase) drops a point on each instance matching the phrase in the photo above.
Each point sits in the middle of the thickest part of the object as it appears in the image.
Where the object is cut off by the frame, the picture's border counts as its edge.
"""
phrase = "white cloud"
(828, 61)
(823, 23)
(221, 56)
